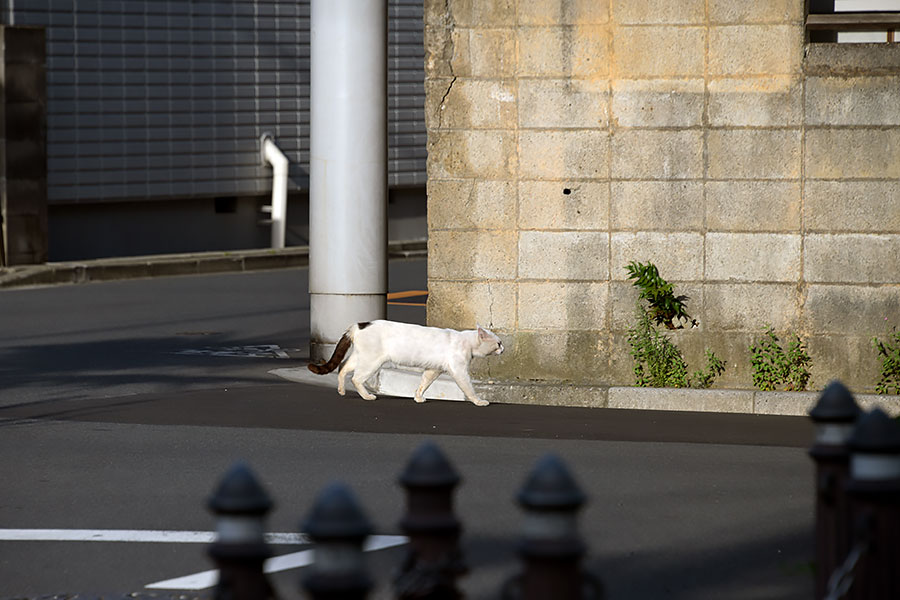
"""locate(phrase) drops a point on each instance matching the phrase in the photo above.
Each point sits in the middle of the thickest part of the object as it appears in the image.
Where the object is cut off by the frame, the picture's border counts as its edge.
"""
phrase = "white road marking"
(196, 581)
(295, 560)
(127, 535)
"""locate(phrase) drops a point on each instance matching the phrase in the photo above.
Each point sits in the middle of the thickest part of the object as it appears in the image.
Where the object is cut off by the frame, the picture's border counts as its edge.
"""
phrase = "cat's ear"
(483, 334)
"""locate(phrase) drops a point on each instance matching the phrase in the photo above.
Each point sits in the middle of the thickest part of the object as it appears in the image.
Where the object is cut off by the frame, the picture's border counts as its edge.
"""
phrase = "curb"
(395, 382)
(740, 401)
(166, 265)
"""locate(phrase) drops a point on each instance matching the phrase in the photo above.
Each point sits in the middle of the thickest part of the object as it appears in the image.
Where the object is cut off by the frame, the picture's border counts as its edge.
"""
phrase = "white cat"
(435, 350)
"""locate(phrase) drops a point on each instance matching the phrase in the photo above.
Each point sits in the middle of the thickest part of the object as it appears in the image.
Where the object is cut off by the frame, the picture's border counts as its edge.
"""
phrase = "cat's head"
(488, 343)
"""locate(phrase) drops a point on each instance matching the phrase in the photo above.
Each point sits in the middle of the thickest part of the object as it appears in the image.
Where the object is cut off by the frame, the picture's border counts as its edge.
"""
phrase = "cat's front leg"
(461, 376)
(428, 378)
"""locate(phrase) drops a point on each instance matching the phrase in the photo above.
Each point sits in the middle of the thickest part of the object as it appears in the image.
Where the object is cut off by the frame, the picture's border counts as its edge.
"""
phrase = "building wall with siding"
(167, 99)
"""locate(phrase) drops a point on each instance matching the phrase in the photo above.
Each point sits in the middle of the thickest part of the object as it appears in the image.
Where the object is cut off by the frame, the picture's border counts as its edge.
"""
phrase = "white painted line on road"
(129, 535)
(295, 560)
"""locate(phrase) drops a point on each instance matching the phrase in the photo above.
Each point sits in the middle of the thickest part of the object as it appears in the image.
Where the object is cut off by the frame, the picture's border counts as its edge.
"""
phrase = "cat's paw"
(341, 391)
(368, 396)
(480, 402)
(419, 399)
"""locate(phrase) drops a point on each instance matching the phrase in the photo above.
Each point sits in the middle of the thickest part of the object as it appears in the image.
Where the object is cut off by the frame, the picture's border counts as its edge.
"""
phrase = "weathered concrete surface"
(761, 174)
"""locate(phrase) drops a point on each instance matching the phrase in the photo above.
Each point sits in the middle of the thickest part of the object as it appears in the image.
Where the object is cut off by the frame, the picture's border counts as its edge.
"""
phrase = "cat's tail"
(340, 351)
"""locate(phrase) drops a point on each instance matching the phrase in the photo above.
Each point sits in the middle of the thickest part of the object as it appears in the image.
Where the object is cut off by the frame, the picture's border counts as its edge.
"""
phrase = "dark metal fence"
(857, 524)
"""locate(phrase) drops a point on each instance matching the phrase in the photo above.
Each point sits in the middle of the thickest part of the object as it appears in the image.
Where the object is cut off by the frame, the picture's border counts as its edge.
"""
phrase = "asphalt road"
(106, 424)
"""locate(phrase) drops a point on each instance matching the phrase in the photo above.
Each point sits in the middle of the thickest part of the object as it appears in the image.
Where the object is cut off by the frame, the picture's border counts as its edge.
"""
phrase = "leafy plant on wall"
(665, 306)
(773, 365)
(657, 360)
(889, 351)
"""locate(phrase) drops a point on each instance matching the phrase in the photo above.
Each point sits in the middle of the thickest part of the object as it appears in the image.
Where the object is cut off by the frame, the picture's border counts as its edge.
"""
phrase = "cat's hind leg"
(362, 374)
(428, 378)
(461, 377)
(348, 366)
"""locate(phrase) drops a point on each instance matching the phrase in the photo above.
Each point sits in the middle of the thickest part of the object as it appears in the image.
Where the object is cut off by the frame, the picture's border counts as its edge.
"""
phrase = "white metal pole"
(347, 168)
(273, 155)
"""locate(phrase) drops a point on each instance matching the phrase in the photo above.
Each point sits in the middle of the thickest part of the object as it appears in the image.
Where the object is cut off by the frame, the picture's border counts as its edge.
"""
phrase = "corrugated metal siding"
(168, 98)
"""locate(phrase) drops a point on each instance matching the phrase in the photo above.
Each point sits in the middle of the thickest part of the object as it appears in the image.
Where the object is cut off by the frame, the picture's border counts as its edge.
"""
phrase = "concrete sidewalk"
(163, 265)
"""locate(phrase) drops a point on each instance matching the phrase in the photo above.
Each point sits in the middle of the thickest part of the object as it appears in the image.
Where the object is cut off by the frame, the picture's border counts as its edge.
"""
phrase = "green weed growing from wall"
(657, 360)
(773, 366)
(889, 351)
(665, 306)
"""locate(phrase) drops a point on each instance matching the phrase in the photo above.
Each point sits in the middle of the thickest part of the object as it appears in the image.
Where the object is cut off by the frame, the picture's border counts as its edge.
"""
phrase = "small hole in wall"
(567, 191)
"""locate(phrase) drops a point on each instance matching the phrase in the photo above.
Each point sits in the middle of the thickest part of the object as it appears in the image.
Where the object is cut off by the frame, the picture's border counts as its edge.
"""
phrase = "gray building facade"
(155, 110)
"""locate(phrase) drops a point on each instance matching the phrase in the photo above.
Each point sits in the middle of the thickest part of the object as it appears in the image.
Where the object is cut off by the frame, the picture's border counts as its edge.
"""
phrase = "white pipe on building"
(273, 155)
(347, 168)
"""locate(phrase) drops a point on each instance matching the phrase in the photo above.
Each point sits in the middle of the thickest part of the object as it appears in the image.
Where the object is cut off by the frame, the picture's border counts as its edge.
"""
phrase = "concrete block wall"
(760, 173)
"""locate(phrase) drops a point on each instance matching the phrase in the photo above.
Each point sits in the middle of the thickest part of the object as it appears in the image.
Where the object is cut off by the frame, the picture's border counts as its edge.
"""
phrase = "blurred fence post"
(551, 548)
(833, 415)
(874, 495)
(433, 561)
(338, 527)
(240, 505)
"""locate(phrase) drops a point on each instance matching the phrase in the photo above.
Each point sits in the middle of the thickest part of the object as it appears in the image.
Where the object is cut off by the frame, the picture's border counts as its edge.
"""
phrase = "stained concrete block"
(439, 49)
(852, 206)
(569, 255)
(756, 102)
(471, 204)
(851, 59)
(753, 206)
(649, 52)
(725, 401)
(550, 356)
(649, 154)
(563, 205)
(563, 103)
(482, 53)
(853, 153)
(466, 154)
(544, 394)
(472, 255)
(851, 359)
(839, 309)
(754, 154)
(852, 100)
(658, 102)
(657, 205)
(471, 13)
(755, 49)
(758, 11)
(561, 305)
(762, 257)
(580, 52)
(555, 154)
(652, 12)
(465, 304)
(470, 104)
(797, 404)
(678, 256)
(571, 12)
(751, 306)
(852, 258)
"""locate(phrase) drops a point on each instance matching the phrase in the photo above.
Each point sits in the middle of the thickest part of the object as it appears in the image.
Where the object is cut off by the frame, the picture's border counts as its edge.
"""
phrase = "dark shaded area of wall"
(100, 230)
